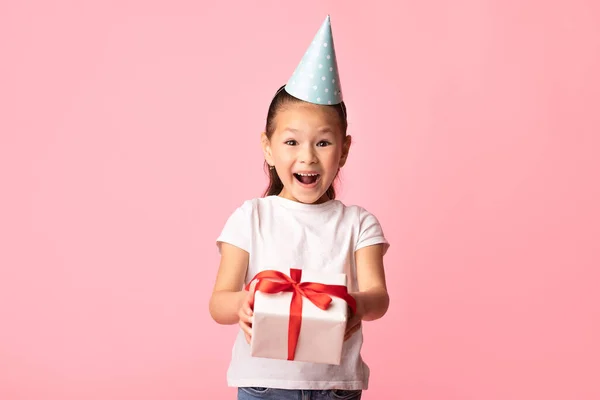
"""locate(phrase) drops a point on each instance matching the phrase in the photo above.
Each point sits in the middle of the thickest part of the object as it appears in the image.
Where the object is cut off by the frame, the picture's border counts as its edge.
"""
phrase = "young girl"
(298, 222)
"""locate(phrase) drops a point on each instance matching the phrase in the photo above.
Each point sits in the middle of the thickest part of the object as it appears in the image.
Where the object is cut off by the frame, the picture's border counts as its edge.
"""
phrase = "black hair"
(280, 99)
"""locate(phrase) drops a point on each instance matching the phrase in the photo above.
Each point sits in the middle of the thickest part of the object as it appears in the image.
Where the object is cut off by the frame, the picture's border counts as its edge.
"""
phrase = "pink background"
(130, 131)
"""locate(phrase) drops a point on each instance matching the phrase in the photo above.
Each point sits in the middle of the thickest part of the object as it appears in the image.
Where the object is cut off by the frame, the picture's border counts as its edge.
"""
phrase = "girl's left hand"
(354, 322)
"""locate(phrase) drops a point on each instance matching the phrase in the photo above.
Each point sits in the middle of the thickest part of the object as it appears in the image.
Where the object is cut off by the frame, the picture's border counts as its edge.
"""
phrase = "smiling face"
(307, 149)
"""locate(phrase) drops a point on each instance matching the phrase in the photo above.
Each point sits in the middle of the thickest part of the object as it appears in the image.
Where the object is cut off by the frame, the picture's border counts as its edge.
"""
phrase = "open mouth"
(307, 179)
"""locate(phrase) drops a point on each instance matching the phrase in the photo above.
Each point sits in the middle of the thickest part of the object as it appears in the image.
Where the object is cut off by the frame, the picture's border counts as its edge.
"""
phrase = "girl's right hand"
(245, 313)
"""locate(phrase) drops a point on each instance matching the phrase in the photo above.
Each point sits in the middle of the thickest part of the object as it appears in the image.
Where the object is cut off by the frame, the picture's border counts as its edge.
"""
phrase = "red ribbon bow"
(318, 293)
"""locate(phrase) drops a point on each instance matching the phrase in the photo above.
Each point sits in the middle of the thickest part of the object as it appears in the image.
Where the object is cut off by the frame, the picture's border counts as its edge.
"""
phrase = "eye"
(323, 143)
(291, 142)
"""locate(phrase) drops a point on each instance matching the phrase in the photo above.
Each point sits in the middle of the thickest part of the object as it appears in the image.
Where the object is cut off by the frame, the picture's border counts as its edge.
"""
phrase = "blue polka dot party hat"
(316, 78)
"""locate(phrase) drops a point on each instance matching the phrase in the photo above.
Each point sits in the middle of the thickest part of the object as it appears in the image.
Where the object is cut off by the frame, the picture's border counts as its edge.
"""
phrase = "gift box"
(301, 316)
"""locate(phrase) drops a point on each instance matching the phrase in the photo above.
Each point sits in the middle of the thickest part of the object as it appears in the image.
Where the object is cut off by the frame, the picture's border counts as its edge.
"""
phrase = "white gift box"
(321, 333)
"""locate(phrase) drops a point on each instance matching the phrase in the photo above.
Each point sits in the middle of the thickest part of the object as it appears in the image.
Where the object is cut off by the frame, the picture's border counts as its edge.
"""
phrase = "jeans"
(256, 393)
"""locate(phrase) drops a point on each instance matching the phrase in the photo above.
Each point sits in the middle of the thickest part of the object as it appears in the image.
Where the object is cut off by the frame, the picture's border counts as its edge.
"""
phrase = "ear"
(345, 150)
(266, 146)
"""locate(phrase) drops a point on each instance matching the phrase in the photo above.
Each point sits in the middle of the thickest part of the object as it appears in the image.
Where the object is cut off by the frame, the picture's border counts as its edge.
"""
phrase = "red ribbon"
(319, 294)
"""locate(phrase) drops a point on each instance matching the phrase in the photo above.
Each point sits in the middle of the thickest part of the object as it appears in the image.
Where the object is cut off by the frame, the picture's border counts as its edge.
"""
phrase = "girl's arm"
(372, 300)
(228, 294)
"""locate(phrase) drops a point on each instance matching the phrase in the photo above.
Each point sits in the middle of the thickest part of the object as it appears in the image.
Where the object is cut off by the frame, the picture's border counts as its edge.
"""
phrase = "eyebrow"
(325, 129)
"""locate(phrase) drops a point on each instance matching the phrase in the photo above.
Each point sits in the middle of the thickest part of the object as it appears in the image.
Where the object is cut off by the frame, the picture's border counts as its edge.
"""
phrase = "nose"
(307, 154)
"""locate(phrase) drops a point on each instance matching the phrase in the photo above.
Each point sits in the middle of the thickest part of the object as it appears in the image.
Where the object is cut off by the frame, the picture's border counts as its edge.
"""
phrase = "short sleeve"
(370, 231)
(237, 228)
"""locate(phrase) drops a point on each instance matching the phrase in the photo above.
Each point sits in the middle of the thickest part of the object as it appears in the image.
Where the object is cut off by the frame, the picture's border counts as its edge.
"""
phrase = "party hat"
(316, 78)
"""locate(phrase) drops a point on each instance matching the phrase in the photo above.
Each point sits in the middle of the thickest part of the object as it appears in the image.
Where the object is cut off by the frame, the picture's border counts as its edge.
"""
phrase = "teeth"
(307, 174)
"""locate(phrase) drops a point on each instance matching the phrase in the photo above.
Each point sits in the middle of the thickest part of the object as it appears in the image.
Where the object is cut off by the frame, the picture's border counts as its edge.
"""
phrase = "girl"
(298, 222)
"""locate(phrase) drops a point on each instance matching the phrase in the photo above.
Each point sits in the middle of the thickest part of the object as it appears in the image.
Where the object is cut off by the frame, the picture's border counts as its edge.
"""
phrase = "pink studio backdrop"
(130, 131)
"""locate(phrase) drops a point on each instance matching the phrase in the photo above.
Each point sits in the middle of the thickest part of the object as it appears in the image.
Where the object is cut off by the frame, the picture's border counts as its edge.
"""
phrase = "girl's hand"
(245, 313)
(354, 321)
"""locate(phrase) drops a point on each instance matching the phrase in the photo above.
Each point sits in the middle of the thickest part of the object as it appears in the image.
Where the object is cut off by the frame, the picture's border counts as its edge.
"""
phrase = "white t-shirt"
(280, 234)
